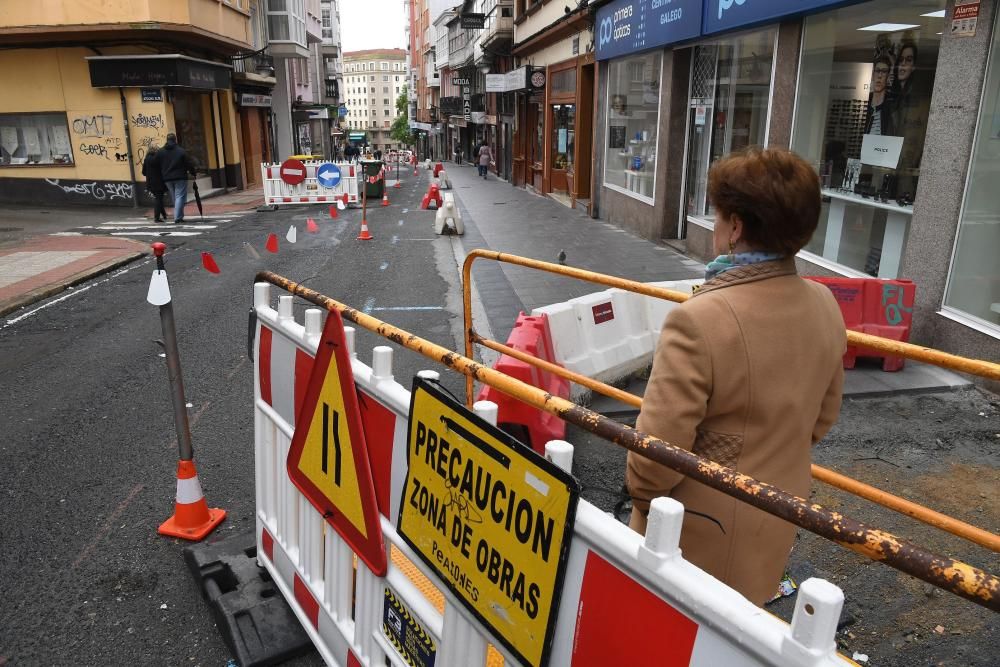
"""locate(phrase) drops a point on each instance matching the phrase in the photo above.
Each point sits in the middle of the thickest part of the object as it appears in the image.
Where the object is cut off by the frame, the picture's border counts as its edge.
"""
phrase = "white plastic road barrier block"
(444, 183)
(657, 309)
(428, 165)
(686, 616)
(448, 217)
(601, 335)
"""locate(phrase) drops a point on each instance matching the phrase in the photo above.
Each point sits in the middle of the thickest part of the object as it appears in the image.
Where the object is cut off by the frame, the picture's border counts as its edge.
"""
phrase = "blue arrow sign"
(328, 175)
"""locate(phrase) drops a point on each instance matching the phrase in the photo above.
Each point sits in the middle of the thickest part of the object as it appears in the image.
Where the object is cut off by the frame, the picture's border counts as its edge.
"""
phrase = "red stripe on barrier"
(264, 364)
(286, 199)
(306, 600)
(268, 543)
(303, 199)
(303, 369)
(352, 660)
(379, 424)
(610, 639)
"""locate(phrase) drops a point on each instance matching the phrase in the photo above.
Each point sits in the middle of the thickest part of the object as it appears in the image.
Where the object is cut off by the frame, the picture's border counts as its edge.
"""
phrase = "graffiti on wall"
(152, 121)
(143, 145)
(95, 190)
(97, 125)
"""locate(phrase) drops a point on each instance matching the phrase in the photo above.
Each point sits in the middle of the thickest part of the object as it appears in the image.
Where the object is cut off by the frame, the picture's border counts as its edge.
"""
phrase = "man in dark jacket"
(154, 182)
(175, 165)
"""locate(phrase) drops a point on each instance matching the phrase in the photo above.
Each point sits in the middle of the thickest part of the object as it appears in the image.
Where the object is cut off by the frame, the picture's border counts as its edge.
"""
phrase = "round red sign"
(292, 171)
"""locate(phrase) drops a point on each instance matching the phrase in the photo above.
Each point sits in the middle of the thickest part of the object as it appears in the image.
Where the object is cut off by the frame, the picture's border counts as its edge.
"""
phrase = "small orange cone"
(397, 183)
(364, 235)
(192, 519)
(311, 226)
(385, 198)
(209, 263)
(333, 211)
(272, 243)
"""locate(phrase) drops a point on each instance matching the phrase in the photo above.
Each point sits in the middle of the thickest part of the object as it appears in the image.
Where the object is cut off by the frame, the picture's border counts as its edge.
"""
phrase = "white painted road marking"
(384, 266)
(369, 305)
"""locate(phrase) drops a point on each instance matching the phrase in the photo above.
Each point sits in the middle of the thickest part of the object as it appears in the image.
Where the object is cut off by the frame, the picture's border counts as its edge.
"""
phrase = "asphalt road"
(88, 452)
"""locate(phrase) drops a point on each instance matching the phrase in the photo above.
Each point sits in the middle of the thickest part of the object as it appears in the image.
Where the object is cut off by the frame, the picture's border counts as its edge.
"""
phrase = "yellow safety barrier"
(885, 499)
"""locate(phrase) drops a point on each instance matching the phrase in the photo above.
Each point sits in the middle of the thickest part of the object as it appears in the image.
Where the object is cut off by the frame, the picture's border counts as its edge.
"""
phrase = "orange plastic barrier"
(877, 307)
(531, 336)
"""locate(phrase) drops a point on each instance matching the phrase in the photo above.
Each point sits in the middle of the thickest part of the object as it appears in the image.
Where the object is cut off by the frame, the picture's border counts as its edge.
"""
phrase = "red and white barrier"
(626, 599)
(279, 193)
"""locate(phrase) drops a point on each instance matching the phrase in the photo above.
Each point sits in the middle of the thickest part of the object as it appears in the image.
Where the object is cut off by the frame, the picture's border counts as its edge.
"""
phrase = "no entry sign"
(292, 171)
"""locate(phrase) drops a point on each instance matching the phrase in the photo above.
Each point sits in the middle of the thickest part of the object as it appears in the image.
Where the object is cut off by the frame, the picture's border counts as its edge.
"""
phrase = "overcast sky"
(372, 24)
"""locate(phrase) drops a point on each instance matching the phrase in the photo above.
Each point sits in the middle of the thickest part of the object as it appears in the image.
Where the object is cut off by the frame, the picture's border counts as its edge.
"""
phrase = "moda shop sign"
(631, 26)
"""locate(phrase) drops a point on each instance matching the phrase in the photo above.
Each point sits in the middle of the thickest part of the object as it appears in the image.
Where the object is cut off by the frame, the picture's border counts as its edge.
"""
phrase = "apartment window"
(385, 101)
(386, 112)
(372, 77)
(385, 66)
(286, 21)
(385, 89)
(385, 77)
(397, 77)
(43, 138)
(371, 66)
(386, 124)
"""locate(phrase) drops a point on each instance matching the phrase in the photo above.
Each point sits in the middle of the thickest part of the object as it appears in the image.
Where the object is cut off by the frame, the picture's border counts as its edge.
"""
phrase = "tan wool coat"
(748, 373)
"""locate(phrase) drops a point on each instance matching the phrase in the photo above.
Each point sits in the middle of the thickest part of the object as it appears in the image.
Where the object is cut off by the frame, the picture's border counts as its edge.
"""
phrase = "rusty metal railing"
(873, 494)
(946, 573)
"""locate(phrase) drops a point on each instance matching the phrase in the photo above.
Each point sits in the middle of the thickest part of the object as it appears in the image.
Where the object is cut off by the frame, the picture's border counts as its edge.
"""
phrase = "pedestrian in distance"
(154, 182)
(485, 156)
(748, 372)
(175, 165)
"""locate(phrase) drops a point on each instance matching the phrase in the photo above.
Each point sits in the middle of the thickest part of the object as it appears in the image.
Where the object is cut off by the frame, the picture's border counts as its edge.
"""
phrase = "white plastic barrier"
(448, 217)
(608, 335)
(626, 599)
(279, 193)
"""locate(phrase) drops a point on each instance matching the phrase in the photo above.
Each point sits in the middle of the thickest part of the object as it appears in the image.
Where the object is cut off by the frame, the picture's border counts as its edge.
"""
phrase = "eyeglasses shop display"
(867, 71)
(633, 117)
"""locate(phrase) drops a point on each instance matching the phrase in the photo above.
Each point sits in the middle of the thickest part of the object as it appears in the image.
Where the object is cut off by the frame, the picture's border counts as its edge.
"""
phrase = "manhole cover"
(11, 229)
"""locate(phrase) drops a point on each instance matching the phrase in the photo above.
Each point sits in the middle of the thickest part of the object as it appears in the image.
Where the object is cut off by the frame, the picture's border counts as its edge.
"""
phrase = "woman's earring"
(732, 251)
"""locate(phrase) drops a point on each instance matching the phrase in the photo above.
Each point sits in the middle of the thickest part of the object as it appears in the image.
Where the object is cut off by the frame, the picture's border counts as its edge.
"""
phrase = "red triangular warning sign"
(328, 459)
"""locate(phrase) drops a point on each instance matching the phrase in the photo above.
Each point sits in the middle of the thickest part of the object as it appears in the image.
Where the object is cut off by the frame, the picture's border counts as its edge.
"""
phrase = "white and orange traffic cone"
(364, 235)
(385, 198)
(192, 518)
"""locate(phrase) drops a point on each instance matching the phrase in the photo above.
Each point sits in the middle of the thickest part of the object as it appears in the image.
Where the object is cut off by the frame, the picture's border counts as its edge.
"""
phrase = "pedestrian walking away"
(485, 156)
(733, 382)
(175, 165)
(154, 182)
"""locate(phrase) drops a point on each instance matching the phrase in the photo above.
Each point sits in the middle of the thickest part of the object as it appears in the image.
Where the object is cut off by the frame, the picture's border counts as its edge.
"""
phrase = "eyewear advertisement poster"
(490, 517)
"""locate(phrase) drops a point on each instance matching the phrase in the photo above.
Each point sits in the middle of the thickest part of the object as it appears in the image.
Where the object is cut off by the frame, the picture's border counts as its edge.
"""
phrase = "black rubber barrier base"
(253, 618)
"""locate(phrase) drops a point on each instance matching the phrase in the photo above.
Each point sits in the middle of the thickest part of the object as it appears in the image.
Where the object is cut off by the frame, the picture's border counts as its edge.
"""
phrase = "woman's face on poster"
(907, 63)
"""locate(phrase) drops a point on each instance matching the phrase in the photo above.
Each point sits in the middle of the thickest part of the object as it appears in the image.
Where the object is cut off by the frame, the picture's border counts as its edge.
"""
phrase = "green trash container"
(370, 168)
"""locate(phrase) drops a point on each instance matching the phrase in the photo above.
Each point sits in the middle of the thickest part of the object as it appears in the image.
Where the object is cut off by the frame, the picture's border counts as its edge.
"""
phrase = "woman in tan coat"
(748, 372)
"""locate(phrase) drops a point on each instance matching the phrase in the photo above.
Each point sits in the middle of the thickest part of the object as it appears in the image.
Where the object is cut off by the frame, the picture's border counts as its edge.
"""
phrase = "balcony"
(499, 26)
(459, 51)
(286, 26)
(256, 67)
(431, 74)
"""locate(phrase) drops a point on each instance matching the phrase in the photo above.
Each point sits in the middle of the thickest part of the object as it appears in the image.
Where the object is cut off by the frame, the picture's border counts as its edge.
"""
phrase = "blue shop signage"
(723, 15)
(628, 26)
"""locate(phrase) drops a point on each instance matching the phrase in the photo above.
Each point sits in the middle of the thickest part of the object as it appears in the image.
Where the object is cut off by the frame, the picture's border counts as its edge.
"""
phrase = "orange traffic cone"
(192, 519)
(364, 235)
(385, 198)
(333, 211)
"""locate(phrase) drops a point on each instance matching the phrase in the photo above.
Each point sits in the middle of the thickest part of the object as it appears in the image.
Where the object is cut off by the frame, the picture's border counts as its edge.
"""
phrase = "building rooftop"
(374, 53)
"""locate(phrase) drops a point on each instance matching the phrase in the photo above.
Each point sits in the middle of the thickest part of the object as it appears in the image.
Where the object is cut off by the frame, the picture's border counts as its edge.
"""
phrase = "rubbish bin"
(371, 169)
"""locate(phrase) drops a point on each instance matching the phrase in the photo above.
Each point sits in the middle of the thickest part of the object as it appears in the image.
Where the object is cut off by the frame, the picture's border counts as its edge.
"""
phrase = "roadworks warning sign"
(490, 516)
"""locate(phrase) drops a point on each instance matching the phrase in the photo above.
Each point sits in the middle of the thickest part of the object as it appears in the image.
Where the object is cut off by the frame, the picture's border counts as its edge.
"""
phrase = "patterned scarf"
(723, 263)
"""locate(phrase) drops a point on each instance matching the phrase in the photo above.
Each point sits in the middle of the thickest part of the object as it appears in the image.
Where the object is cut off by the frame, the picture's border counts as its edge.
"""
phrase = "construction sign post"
(328, 458)
(490, 517)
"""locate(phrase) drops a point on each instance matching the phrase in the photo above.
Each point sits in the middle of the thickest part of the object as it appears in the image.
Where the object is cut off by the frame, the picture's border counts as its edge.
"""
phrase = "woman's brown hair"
(773, 191)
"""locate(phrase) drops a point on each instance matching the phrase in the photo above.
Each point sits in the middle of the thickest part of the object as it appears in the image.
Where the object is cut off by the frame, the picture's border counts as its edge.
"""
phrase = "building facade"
(894, 102)
(97, 86)
(373, 81)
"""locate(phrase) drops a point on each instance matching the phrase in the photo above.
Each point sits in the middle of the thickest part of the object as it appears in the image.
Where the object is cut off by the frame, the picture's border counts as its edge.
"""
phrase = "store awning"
(356, 136)
(170, 70)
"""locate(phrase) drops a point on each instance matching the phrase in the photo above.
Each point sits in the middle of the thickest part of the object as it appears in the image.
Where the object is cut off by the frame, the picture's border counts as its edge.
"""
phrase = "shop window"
(563, 82)
(34, 138)
(633, 116)
(974, 277)
(863, 98)
(727, 108)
